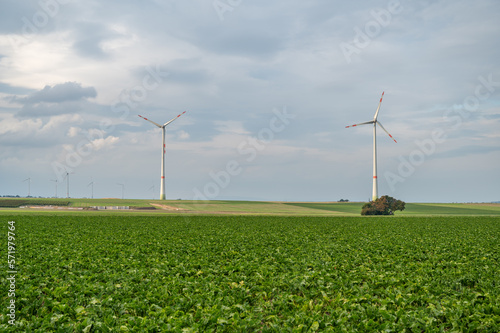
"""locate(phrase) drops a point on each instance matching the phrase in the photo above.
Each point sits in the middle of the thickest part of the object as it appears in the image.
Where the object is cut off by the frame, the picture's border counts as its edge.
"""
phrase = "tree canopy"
(384, 205)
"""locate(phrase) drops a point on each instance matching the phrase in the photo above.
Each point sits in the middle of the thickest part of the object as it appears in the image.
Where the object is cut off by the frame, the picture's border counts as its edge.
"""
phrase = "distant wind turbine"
(55, 181)
(152, 188)
(66, 176)
(29, 185)
(91, 184)
(162, 184)
(123, 188)
(375, 122)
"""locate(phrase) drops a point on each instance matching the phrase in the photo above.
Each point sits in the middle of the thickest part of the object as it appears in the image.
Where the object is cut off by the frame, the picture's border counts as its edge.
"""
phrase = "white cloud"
(74, 131)
(104, 143)
(13, 126)
(183, 135)
(230, 126)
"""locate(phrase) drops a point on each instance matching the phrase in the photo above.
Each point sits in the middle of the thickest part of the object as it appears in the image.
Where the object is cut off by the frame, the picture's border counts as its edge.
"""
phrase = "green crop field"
(184, 273)
(9, 205)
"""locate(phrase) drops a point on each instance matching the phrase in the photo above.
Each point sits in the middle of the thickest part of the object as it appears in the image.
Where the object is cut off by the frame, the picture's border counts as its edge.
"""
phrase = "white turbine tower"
(162, 186)
(375, 122)
(123, 188)
(29, 186)
(91, 184)
(152, 188)
(55, 181)
(66, 176)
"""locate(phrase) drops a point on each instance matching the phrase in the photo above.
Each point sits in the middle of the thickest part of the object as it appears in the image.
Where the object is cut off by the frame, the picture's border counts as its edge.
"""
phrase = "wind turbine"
(123, 188)
(375, 122)
(162, 186)
(29, 185)
(91, 184)
(66, 176)
(55, 181)
(152, 188)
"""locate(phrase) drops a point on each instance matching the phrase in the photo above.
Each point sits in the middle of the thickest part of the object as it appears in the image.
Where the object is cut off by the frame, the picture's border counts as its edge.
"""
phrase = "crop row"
(241, 273)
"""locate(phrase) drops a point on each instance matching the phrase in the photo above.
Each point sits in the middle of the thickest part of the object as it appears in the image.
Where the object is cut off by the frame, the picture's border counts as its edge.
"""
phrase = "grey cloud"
(49, 109)
(9, 89)
(26, 19)
(249, 30)
(492, 116)
(68, 91)
(187, 76)
(64, 98)
(89, 47)
(467, 151)
(12, 13)
(245, 43)
(186, 71)
(82, 107)
(181, 71)
(88, 39)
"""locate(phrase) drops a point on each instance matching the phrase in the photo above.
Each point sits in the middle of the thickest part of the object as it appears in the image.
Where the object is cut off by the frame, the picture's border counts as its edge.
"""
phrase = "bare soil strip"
(166, 207)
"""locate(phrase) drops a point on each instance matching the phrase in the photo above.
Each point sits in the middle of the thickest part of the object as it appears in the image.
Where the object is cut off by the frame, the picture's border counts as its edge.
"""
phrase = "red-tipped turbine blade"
(168, 122)
(368, 122)
(152, 122)
(378, 122)
(379, 103)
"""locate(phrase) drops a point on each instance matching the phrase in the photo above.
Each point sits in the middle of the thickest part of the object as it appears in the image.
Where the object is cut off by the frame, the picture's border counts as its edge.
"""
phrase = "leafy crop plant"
(89, 273)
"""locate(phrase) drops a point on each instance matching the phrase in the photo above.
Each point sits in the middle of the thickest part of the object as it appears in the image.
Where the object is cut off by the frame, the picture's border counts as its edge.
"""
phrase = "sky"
(268, 88)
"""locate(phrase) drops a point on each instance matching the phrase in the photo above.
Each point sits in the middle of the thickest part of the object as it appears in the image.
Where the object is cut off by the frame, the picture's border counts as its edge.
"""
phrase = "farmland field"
(410, 208)
(210, 207)
(128, 273)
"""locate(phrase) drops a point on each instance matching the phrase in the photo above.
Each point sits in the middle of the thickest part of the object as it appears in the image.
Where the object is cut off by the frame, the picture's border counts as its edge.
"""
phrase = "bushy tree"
(384, 205)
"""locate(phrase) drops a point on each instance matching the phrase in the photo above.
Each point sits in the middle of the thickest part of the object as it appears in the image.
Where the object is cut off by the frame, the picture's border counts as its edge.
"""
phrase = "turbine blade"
(168, 122)
(368, 122)
(152, 122)
(376, 112)
(378, 122)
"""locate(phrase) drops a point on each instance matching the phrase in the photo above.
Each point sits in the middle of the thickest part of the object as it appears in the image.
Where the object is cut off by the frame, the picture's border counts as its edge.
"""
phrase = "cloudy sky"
(268, 87)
